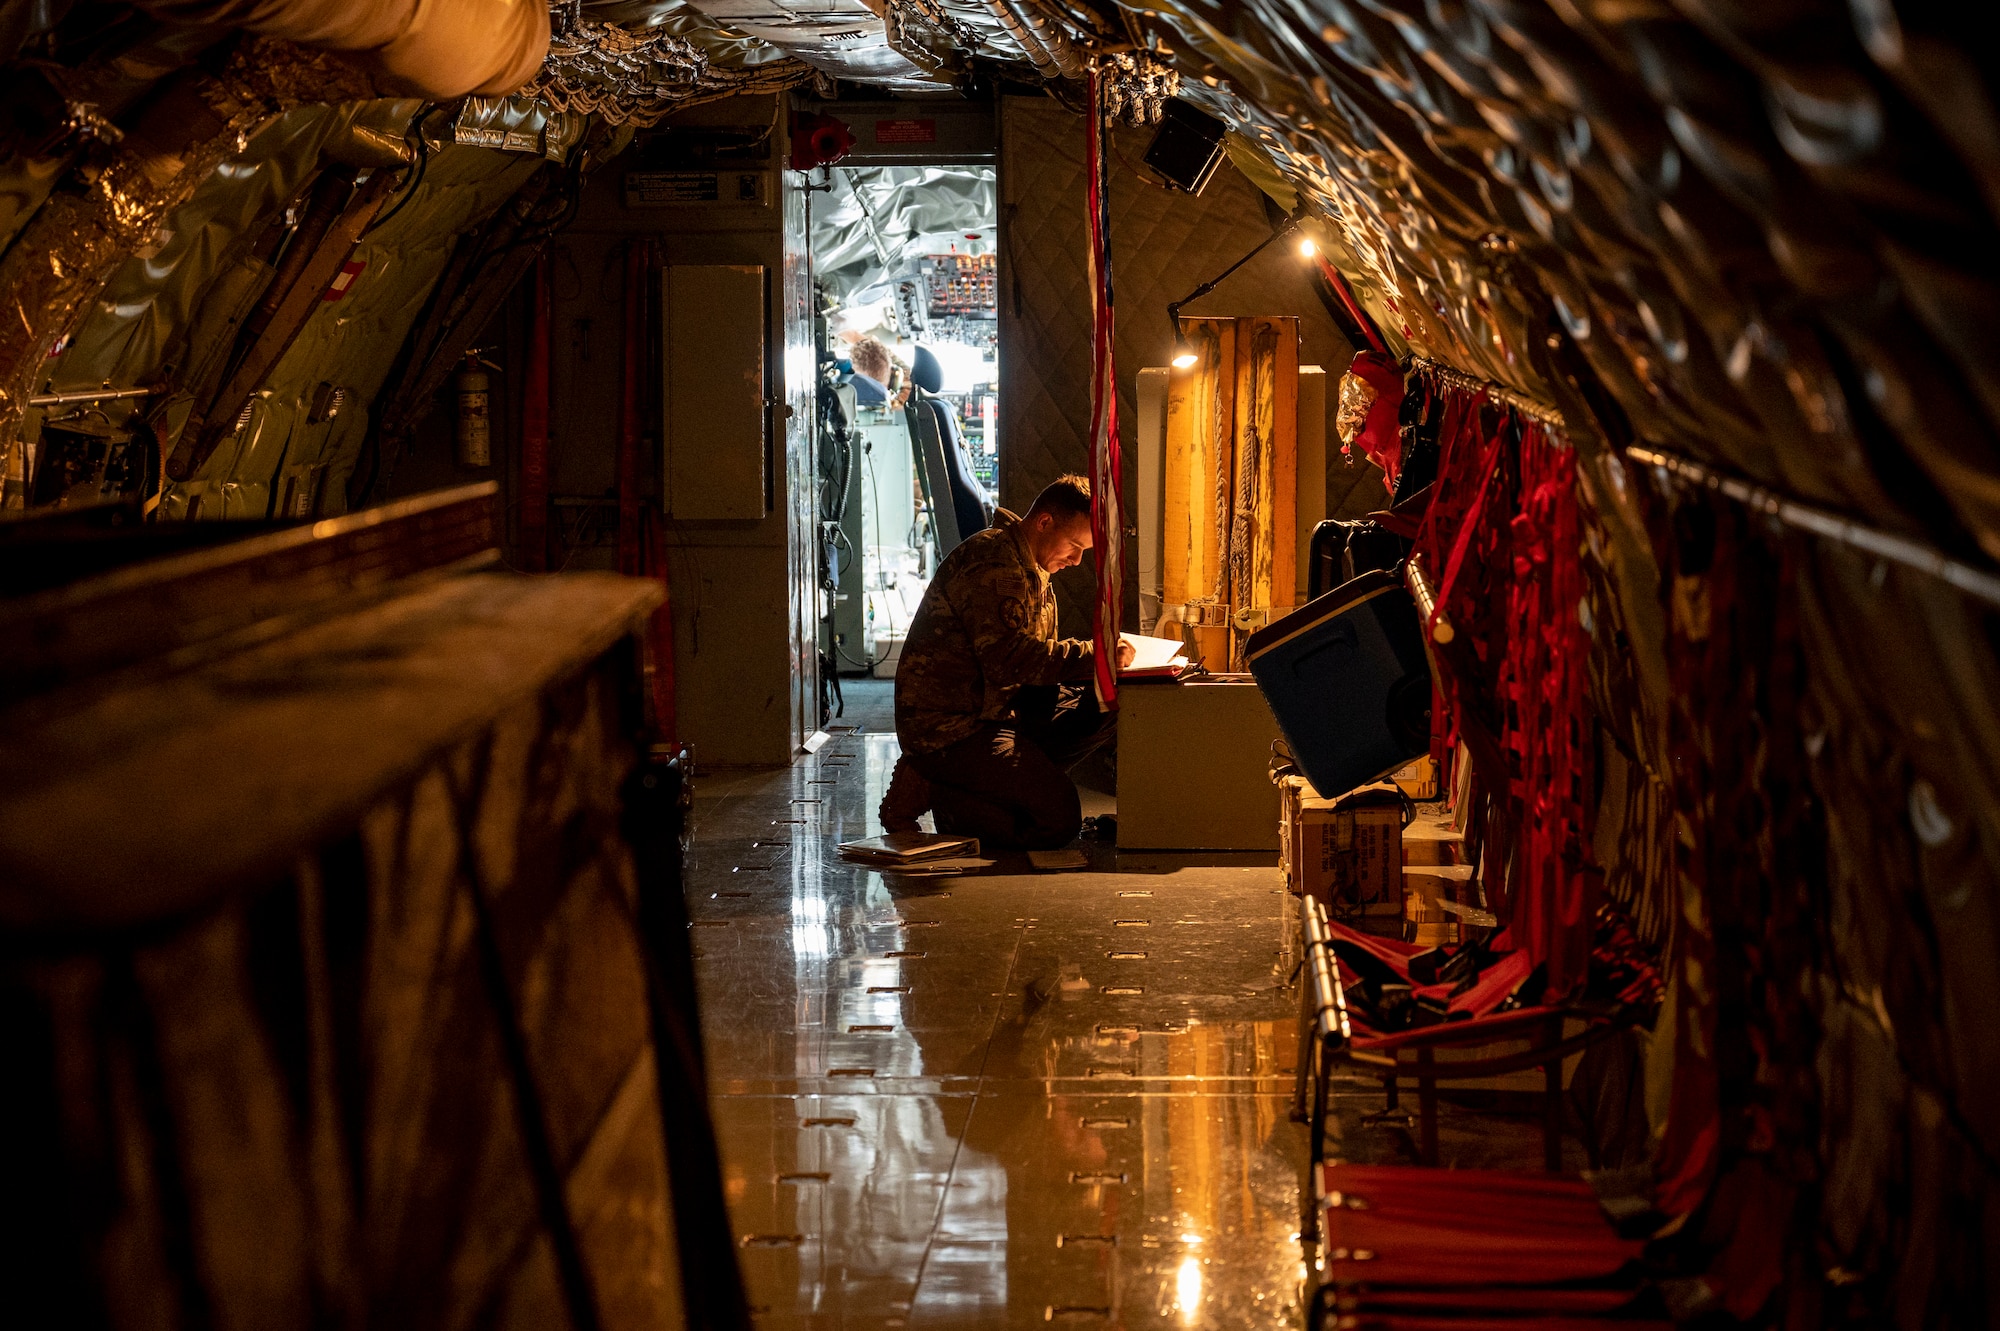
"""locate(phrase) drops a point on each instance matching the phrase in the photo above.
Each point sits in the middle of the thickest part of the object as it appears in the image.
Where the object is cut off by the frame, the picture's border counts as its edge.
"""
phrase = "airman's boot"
(908, 799)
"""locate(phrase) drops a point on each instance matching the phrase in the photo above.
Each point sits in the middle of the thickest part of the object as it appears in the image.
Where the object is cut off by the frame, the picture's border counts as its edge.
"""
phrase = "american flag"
(1107, 524)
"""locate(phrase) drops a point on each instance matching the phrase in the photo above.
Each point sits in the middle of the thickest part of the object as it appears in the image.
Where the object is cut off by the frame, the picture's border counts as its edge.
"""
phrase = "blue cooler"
(1348, 681)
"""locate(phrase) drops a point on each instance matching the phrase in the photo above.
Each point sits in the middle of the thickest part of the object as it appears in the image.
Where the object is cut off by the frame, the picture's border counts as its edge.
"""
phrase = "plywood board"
(1264, 524)
(1231, 489)
(1201, 415)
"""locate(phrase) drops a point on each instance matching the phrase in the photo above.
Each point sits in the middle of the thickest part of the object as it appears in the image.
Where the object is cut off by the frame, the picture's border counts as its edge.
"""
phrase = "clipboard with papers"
(1163, 659)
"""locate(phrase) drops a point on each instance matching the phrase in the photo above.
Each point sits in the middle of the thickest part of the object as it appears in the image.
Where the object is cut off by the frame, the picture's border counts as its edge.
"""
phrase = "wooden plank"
(1177, 463)
(1245, 472)
(1267, 460)
(1266, 441)
(151, 610)
(1210, 483)
(163, 798)
(1281, 528)
(1222, 457)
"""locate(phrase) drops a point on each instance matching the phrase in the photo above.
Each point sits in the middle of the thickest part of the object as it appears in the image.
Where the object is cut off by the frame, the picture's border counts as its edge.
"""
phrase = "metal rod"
(1283, 229)
(1425, 596)
(93, 395)
(868, 221)
(1452, 378)
(1902, 550)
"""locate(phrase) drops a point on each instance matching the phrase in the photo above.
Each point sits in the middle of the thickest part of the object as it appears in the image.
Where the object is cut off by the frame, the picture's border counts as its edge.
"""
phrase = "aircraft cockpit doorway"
(905, 269)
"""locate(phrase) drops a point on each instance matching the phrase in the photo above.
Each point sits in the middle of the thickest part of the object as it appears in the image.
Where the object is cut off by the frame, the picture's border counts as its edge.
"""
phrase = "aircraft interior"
(732, 664)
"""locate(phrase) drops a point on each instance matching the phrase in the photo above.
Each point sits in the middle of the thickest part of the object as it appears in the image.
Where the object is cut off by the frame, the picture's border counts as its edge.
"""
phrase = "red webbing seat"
(1537, 1032)
(1406, 1248)
(1372, 1319)
(1478, 1003)
(1499, 1299)
(1452, 1227)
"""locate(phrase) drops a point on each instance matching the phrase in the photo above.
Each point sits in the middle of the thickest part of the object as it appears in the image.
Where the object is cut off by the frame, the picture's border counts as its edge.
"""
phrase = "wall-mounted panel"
(714, 406)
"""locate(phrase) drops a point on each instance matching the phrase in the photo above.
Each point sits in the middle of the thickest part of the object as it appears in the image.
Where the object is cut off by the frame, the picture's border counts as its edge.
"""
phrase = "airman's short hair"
(1066, 497)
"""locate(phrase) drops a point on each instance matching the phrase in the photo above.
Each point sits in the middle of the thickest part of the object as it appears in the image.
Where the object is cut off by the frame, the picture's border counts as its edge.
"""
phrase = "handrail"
(1425, 595)
(1330, 1012)
(1896, 549)
(105, 394)
(1323, 1030)
(1450, 377)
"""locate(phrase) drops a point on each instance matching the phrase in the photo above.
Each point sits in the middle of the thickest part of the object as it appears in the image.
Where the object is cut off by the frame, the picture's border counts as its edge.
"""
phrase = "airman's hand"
(1125, 653)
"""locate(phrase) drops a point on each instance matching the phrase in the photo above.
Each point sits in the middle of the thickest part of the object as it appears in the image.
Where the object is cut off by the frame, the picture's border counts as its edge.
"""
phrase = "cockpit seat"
(959, 503)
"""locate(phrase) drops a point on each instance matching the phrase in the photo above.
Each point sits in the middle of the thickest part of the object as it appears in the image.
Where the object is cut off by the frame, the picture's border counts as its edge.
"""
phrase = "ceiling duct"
(843, 38)
(438, 49)
(1018, 33)
(1051, 38)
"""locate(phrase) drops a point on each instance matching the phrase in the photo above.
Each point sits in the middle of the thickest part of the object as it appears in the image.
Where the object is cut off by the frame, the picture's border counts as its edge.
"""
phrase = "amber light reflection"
(1187, 1290)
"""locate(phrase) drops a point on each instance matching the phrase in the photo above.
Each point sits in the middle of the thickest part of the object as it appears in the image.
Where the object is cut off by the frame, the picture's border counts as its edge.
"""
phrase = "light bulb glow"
(1187, 1290)
(1307, 248)
(1184, 359)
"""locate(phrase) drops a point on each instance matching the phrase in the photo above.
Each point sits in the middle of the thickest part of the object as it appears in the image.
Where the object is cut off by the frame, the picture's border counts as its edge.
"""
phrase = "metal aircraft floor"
(1008, 1098)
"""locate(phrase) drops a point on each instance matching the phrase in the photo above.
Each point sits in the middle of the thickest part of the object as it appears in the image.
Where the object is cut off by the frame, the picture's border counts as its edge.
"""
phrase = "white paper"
(933, 868)
(1154, 653)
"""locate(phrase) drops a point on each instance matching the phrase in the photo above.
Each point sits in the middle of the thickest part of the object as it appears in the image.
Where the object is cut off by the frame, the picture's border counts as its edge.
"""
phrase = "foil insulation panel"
(841, 38)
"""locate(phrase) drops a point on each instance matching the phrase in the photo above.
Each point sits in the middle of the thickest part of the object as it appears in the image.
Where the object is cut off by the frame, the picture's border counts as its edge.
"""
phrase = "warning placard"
(654, 187)
(906, 131)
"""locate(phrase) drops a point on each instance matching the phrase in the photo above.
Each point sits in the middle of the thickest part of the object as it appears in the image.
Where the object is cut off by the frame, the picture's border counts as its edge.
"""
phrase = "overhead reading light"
(1184, 352)
(1307, 248)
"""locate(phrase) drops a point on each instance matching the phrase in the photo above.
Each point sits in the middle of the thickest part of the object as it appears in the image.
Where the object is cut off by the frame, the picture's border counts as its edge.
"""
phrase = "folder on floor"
(895, 849)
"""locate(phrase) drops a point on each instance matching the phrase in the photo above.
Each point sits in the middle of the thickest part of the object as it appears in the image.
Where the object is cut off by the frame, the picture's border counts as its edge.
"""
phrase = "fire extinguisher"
(819, 140)
(475, 415)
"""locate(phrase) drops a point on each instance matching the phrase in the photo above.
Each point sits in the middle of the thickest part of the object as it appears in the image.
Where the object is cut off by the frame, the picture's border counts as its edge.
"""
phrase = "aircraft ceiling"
(1756, 229)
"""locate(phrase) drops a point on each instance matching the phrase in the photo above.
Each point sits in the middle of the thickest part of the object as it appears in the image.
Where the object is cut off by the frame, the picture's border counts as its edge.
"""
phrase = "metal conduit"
(904, 44)
(1884, 545)
(1044, 63)
(1052, 38)
(93, 395)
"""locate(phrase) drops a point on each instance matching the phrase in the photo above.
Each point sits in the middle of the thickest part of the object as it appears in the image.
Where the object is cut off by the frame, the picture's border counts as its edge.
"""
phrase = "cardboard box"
(1431, 839)
(1425, 920)
(1418, 778)
(1346, 852)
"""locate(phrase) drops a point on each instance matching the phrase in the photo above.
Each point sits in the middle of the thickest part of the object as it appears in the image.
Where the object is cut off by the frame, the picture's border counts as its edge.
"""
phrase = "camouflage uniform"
(986, 627)
(994, 754)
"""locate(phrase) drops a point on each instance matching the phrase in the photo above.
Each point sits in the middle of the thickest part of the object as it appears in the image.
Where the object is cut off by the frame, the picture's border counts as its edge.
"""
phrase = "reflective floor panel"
(1006, 1099)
